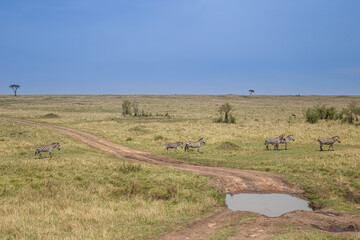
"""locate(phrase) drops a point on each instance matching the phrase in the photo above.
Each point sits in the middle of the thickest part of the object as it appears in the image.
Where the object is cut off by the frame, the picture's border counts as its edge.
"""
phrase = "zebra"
(173, 145)
(197, 145)
(328, 141)
(287, 140)
(46, 148)
(274, 141)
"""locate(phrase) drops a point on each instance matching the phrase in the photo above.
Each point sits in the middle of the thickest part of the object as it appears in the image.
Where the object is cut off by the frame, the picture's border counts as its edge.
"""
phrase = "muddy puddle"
(271, 205)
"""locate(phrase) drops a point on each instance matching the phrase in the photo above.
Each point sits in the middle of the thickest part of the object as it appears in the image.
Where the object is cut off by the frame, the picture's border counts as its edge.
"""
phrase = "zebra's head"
(57, 145)
(180, 144)
(202, 140)
(336, 138)
(291, 137)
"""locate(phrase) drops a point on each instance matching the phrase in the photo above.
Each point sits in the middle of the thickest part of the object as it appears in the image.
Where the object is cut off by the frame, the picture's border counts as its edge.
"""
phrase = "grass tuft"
(50, 115)
(158, 137)
(228, 146)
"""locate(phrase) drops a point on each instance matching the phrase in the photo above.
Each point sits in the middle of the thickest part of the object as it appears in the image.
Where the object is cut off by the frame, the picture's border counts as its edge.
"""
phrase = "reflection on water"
(271, 205)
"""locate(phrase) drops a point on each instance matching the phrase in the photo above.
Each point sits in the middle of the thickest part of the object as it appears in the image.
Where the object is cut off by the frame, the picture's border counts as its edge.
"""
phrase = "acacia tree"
(251, 91)
(14, 88)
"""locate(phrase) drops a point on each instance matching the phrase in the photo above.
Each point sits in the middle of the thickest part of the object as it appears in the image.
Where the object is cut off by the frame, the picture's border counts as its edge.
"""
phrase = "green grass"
(82, 193)
(329, 178)
(223, 233)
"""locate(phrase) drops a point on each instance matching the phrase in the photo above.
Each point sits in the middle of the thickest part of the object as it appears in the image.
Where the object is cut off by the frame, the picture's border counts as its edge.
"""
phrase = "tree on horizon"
(14, 87)
(251, 91)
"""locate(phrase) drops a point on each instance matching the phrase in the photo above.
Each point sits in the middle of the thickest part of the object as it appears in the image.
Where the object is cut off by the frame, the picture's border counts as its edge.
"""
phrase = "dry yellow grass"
(330, 178)
(82, 193)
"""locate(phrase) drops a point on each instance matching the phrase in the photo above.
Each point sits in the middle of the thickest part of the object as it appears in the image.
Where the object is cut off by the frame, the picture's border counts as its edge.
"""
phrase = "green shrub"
(332, 113)
(321, 112)
(225, 114)
(350, 114)
(312, 115)
(126, 107)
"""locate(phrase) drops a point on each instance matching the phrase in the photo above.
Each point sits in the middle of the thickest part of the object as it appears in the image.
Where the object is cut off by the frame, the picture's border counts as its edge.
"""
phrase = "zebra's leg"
(321, 147)
(50, 154)
(176, 149)
(40, 155)
(267, 146)
(164, 149)
(329, 147)
(197, 150)
(285, 146)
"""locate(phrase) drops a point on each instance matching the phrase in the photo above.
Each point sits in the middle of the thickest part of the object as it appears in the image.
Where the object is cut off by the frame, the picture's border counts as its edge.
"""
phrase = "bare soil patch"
(230, 181)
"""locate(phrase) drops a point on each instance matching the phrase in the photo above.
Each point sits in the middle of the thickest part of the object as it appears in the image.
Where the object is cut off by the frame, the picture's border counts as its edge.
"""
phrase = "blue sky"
(180, 46)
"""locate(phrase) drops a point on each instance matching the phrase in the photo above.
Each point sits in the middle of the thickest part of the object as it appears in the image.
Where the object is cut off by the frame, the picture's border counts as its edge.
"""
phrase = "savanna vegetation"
(349, 114)
(83, 193)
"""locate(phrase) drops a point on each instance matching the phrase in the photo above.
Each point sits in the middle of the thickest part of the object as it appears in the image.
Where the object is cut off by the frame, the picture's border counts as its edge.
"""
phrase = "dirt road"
(228, 181)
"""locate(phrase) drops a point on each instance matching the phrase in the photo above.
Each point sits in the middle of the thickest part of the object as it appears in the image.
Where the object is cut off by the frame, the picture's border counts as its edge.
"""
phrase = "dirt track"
(228, 181)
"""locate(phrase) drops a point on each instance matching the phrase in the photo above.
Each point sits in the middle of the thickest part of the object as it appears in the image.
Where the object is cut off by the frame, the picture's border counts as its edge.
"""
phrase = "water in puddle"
(271, 205)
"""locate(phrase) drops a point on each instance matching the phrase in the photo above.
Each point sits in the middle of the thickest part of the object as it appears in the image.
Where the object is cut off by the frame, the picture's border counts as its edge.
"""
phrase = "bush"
(225, 114)
(321, 112)
(332, 113)
(312, 115)
(126, 105)
(350, 114)
(135, 108)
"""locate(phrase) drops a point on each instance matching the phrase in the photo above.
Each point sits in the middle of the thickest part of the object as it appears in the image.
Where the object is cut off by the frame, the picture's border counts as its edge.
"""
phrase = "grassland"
(82, 193)
(329, 178)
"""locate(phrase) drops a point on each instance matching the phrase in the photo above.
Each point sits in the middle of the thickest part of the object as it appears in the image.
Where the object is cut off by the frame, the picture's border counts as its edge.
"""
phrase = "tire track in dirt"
(230, 181)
